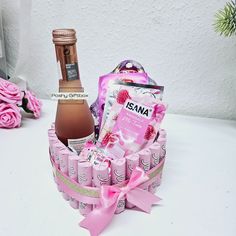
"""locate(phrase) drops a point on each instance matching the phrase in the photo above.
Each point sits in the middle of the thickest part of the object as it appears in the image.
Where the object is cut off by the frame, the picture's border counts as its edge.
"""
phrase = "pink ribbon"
(100, 217)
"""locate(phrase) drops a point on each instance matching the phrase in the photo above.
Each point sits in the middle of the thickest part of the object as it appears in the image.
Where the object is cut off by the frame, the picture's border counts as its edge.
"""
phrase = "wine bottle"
(74, 123)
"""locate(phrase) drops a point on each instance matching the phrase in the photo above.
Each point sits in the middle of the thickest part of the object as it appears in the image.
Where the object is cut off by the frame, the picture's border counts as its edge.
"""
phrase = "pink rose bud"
(9, 92)
(10, 116)
(31, 104)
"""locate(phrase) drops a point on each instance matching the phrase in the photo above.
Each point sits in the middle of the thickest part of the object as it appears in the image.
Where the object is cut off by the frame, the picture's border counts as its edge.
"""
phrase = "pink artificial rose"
(10, 116)
(31, 104)
(9, 92)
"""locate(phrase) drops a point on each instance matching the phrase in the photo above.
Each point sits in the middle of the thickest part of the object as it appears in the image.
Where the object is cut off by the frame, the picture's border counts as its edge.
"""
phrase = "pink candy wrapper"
(51, 133)
(73, 174)
(162, 133)
(63, 163)
(118, 167)
(57, 147)
(52, 142)
(132, 161)
(101, 174)
(162, 141)
(85, 179)
(145, 159)
(159, 152)
(155, 149)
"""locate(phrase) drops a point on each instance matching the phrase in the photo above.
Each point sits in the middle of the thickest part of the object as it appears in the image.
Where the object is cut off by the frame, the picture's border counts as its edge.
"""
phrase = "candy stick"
(132, 161)
(145, 161)
(57, 147)
(63, 163)
(51, 133)
(118, 176)
(73, 174)
(101, 175)
(85, 179)
(162, 141)
(155, 154)
(155, 149)
(162, 133)
(52, 142)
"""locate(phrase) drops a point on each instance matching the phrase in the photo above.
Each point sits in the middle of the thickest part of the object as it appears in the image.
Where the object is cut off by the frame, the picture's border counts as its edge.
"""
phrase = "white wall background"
(173, 40)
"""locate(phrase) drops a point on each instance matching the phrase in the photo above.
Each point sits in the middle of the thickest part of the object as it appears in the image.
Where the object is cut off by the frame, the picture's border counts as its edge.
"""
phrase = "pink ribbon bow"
(100, 217)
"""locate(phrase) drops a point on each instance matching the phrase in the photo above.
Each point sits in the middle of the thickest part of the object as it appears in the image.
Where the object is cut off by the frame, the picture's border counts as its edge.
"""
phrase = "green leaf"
(225, 20)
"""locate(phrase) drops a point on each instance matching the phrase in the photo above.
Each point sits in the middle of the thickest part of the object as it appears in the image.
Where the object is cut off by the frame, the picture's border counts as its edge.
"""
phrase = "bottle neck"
(67, 62)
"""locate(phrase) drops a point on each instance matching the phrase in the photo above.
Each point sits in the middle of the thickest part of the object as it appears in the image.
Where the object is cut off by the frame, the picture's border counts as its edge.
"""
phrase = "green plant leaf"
(225, 20)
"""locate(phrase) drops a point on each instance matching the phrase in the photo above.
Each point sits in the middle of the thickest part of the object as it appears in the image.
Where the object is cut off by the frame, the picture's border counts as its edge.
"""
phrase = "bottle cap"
(64, 36)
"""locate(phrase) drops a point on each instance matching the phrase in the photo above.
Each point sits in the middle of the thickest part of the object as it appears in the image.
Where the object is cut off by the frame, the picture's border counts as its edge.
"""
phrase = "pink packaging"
(118, 170)
(162, 141)
(132, 161)
(155, 149)
(141, 78)
(145, 159)
(73, 166)
(85, 173)
(73, 174)
(120, 91)
(85, 179)
(52, 142)
(101, 174)
(135, 126)
(57, 147)
(153, 187)
(51, 133)
(63, 163)
(162, 133)
(118, 167)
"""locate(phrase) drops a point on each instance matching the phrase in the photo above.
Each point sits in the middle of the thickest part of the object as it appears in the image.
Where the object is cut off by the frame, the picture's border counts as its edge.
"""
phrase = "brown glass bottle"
(74, 123)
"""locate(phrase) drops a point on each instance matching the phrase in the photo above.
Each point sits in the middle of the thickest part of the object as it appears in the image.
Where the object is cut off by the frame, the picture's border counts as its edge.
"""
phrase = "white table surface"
(198, 188)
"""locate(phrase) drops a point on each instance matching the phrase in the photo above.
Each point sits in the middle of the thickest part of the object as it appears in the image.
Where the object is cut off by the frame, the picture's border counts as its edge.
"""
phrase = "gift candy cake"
(109, 157)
